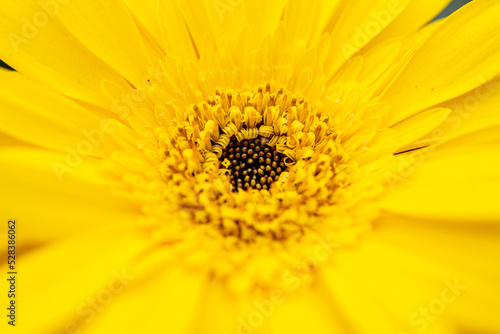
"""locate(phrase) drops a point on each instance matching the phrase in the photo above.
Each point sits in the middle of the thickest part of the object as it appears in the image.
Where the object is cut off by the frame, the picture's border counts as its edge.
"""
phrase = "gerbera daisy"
(237, 166)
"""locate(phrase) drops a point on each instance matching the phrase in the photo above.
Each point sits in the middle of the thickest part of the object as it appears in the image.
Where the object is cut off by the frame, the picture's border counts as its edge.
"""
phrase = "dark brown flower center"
(253, 163)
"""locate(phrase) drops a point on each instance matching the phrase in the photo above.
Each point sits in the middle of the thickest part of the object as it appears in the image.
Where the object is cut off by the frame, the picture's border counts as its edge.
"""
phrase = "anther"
(252, 163)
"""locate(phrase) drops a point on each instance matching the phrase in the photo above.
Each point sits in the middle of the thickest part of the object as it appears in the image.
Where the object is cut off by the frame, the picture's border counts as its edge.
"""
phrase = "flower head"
(283, 166)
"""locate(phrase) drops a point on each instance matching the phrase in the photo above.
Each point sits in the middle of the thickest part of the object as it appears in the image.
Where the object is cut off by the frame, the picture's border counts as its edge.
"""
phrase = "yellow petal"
(378, 62)
(474, 111)
(353, 300)
(394, 285)
(260, 15)
(147, 13)
(80, 276)
(298, 28)
(35, 43)
(42, 190)
(413, 17)
(419, 125)
(165, 300)
(307, 310)
(198, 23)
(6, 140)
(449, 248)
(417, 265)
(355, 24)
(107, 29)
(42, 119)
(483, 139)
(410, 43)
(216, 297)
(460, 56)
(326, 11)
(174, 32)
(457, 182)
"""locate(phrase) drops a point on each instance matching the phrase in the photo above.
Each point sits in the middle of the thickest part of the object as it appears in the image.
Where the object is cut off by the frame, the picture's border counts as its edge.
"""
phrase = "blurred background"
(453, 6)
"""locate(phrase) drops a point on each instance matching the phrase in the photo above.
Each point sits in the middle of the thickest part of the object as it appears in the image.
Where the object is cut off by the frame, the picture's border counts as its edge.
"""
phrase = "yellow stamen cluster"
(329, 153)
(202, 170)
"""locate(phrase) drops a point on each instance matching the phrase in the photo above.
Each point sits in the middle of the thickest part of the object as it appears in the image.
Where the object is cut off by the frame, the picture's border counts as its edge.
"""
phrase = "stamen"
(253, 163)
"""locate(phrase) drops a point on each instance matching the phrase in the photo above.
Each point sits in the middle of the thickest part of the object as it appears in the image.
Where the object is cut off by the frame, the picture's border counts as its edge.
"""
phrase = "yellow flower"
(236, 166)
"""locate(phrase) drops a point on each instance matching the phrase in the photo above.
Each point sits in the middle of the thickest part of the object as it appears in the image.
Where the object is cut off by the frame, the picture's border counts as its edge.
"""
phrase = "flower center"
(259, 165)
(232, 173)
(252, 163)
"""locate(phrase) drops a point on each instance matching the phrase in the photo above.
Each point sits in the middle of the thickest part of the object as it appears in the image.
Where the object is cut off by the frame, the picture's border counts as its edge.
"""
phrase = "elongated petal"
(174, 31)
(49, 54)
(166, 299)
(474, 111)
(46, 118)
(41, 190)
(107, 29)
(419, 125)
(412, 18)
(79, 275)
(458, 181)
(436, 75)
(147, 13)
(354, 24)
(409, 268)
